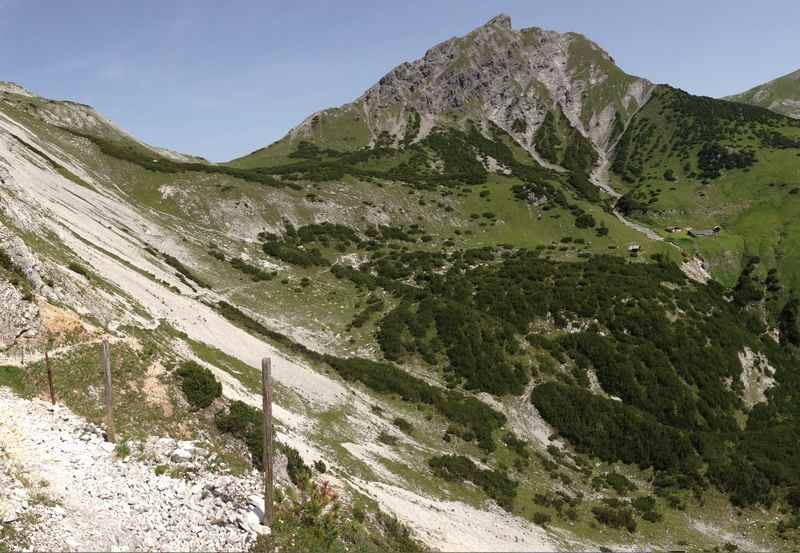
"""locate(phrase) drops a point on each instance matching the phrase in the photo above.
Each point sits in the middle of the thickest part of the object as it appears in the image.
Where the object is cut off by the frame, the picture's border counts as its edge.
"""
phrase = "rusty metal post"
(105, 360)
(266, 392)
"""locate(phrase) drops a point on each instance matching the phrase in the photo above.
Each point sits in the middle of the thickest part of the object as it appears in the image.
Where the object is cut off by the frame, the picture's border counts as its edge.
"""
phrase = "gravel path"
(650, 233)
(90, 500)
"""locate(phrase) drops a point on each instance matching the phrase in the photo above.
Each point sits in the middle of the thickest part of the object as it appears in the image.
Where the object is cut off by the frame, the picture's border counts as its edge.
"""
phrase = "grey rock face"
(18, 317)
(512, 78)
(23, 258)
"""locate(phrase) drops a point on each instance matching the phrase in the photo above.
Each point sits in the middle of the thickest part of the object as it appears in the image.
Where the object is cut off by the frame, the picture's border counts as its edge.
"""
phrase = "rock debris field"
(66, 488)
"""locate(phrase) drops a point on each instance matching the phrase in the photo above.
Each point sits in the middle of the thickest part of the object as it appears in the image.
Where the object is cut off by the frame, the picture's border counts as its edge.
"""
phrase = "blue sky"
(220, 79)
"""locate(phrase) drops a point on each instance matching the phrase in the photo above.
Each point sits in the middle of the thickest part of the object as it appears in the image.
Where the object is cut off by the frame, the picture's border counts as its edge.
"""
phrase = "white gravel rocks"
(98, 502)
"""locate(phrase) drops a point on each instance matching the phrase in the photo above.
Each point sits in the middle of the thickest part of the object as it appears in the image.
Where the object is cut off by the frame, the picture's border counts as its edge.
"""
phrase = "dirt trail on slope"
(647, 231)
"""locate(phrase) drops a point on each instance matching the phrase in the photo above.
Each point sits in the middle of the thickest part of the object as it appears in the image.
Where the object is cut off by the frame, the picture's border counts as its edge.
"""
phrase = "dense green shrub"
(619, 483)
(773, 139)
(386, 378)
(184, 270)
(675, 127)
(134, 153)
(256, 273)
(714, 158)
(412, 127)
(585, 220)
(615, 517)
(789, 322)
(319, 521)
(7, 264)
(403, 425)
(748, 288)
(294, 255)
(198, 384)
(542, 519)
(458, 468)
(247, 424)
(465, 313)
(645, 506)
(295, 245)
(80, 269)
(614, 431)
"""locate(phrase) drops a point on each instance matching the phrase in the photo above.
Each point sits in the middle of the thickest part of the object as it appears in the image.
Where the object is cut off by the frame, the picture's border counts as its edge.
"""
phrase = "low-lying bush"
(199, 385)
(458, 468)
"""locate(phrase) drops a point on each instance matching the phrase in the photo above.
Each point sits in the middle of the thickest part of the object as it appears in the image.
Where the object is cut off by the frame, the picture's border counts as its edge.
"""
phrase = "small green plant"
(542, 519)
(80, 269)
(13, 377)
(161, 469)
(403, 425)
(122, 449)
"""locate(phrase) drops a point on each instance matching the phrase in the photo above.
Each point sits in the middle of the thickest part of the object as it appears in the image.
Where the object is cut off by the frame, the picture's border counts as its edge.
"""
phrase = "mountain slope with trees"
(467, 331)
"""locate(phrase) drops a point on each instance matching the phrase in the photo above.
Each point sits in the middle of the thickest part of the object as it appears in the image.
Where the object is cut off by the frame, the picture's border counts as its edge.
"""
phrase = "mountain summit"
(781, 95)
(514, 79)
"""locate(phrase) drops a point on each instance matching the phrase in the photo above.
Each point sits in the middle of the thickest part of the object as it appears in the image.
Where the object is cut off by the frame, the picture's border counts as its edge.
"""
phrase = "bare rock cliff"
(512, 78)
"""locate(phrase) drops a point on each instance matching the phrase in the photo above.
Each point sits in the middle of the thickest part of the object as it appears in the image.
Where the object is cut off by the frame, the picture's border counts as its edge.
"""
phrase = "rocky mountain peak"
(493, 74)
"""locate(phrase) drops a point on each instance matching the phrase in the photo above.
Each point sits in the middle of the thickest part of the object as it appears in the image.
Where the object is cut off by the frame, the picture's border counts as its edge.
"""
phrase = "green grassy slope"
(781, 95)
(586, 61)
(342, 129)
(697, 162)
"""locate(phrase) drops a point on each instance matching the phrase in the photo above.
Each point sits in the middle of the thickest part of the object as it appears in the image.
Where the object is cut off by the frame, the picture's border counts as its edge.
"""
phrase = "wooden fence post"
(50, 378)
(105, 361)
(266, 392)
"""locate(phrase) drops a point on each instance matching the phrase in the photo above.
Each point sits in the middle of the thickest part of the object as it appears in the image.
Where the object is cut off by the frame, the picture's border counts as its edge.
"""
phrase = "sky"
(221, 79)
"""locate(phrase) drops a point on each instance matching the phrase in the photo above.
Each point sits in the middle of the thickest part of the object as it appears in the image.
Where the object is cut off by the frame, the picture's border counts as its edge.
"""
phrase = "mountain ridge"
(781, 95)
(469, 77)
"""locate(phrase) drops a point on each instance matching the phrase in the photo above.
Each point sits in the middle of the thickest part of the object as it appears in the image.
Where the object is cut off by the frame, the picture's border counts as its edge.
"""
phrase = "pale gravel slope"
(92, 224)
